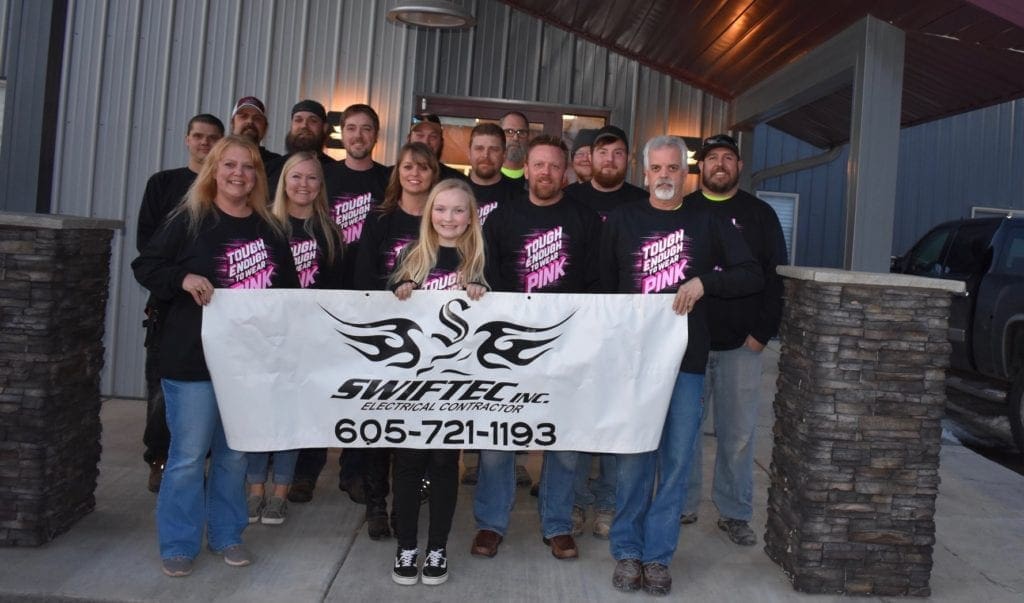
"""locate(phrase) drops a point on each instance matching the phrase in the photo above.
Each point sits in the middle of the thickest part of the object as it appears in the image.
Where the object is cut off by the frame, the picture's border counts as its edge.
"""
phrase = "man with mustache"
(164, 191)
(517, 134)
(740, 328)
(667, 246)
(308, 132)
(354, 186)
(249, 119)
(581, 147)
(543, 242)
(607, 188)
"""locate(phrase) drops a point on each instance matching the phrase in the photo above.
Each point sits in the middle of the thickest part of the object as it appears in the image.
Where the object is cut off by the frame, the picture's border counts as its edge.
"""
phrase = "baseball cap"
(312, 107)
(249, 101)
(425, 120)
(584, 138)
(717, 141)
(613, 132)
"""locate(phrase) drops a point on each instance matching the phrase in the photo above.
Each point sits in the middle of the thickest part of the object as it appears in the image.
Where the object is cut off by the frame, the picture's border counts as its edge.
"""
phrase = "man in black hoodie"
(740, 328)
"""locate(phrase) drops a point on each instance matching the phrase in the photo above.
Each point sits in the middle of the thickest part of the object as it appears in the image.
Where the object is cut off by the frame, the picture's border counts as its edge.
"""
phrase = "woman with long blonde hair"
(300, 204)
(449, 255)
(222, 236)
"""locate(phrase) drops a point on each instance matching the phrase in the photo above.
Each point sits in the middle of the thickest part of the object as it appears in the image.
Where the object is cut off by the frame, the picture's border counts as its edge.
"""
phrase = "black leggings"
(409, 468)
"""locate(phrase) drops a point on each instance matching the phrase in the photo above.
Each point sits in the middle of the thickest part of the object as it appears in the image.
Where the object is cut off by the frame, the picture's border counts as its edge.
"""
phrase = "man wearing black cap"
(249, 119)
(607, 188)
(739, 330)
(581, 165)
(164, 191)
(308, 132)
(426, 128)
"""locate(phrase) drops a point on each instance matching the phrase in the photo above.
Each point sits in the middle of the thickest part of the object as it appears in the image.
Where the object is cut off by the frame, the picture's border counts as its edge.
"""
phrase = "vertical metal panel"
(136, 72)
(5, 10)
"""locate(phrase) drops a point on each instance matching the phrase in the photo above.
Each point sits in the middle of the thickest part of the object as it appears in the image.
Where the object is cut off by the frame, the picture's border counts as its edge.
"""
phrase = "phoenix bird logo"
(398, 341)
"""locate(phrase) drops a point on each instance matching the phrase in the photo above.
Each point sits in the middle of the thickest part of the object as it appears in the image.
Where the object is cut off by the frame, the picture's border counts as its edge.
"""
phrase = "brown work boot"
(156, 474)
(627, 576)
(563, 546)
(657, 579)
(485, 543)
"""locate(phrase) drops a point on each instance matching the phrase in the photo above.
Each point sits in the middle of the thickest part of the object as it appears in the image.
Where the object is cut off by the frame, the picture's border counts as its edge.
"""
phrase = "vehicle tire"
(1015, 400)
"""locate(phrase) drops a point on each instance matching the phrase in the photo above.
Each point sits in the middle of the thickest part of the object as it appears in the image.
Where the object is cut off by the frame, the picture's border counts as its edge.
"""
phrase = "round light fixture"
(435, 14)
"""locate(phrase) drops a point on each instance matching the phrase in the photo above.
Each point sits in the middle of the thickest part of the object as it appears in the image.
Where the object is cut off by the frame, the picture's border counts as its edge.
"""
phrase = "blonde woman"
(221, 236)
(449, 255)
(300, 205)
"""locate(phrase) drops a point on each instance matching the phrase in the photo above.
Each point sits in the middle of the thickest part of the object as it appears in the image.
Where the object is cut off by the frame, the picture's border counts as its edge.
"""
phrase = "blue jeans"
(646, 524)
(186, 504)
(734, 386)
(496, 491)
(284, 466)
(598, 491)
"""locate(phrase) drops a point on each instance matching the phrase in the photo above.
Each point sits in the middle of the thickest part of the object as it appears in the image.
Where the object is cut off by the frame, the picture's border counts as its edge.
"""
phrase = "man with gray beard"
(667, 246)
(517, 135)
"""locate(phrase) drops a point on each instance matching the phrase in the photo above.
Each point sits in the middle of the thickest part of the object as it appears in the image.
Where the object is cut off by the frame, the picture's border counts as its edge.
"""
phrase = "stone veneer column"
(53, 294)
(861, 391)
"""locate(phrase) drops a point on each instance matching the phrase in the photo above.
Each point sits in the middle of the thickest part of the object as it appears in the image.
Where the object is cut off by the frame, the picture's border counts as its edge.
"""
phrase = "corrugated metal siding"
(135, 72)
(5, 10)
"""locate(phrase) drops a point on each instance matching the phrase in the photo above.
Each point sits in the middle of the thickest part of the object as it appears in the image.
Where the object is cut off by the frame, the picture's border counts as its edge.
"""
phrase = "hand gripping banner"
(303, 369)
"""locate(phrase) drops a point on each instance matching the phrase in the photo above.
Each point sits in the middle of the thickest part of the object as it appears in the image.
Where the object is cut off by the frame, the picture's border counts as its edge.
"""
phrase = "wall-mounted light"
(334, 140)
(435, 14)
(692, 146)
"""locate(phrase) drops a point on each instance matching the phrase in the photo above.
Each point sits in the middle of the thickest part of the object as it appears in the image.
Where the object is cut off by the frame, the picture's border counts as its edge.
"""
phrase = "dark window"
(971, 251)
(924, 258)
(1013, 252)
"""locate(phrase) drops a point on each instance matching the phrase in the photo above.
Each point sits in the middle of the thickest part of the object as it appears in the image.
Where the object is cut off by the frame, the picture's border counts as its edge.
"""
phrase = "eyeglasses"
(520, 133)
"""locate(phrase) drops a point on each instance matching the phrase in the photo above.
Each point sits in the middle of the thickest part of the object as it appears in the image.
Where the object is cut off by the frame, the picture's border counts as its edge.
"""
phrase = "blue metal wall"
(946, 167)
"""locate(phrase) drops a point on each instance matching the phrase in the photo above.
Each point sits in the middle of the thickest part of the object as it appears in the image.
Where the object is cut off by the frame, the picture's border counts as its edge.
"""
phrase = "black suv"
(986, 324)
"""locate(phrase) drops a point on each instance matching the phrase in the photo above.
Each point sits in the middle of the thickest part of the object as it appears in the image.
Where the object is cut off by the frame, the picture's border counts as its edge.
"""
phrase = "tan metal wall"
(134, 72)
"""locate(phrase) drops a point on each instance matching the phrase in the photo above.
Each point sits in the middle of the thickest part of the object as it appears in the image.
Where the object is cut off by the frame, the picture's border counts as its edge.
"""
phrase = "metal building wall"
(134, 72)
(945, 168)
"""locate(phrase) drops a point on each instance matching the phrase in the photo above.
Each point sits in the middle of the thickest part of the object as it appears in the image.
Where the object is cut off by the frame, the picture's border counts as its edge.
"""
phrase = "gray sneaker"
(738, 530)
(275, 511)
(603, 523)
(177, 567)
(579, 517)
(235, 555)
(254, 505)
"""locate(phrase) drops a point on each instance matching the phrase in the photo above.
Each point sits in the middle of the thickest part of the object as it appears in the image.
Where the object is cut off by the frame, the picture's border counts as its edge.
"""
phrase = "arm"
(149, 214)
(773, 255)
(157, 267)
(741, 274)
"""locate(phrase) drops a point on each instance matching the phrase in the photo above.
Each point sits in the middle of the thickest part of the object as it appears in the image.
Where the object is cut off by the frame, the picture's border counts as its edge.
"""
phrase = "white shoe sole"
(404, 581)
(434, 581)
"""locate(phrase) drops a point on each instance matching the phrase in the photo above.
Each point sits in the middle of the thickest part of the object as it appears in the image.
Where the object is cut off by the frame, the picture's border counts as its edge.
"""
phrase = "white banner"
(304, 369)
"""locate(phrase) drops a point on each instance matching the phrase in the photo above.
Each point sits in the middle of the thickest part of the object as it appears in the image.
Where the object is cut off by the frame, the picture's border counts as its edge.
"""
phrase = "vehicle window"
(1013, 252)
(971, 250)
(924, 258)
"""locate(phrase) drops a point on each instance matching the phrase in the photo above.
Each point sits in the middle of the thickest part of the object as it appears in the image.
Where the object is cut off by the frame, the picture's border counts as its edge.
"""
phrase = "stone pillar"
(861, 391)
(53, 294)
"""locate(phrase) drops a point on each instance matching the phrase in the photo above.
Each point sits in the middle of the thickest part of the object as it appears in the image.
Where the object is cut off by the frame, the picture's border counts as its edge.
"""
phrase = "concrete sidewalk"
(322, 552)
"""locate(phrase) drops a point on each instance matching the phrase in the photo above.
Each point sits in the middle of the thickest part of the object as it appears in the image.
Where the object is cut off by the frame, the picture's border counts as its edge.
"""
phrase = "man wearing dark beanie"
(581, 164)
(308, 132)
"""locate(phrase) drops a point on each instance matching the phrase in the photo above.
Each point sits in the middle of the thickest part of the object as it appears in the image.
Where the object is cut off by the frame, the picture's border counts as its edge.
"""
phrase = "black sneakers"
(435, 567)
(406, 572)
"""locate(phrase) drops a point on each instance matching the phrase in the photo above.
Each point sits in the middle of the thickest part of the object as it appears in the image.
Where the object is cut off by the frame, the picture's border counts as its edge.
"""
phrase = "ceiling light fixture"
(434, 14)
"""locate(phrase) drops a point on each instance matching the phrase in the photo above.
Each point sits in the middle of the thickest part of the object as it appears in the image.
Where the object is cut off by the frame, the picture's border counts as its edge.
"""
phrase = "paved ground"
(322, 553)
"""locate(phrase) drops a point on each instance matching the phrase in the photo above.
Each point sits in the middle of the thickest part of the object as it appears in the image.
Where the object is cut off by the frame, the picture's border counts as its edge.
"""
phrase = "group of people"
(238, 216)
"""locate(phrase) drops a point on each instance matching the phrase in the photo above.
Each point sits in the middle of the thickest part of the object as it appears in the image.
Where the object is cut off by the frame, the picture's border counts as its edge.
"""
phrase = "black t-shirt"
(648, 250)
(309, 253)
(351, 194)
(164, 191)
(553, 248)
(490, 196)
(384, 238)
(758, 314)
(448, 171)
(232, 253)
(444, 276)
(267, 156)
(605, 202)
(276, 165)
